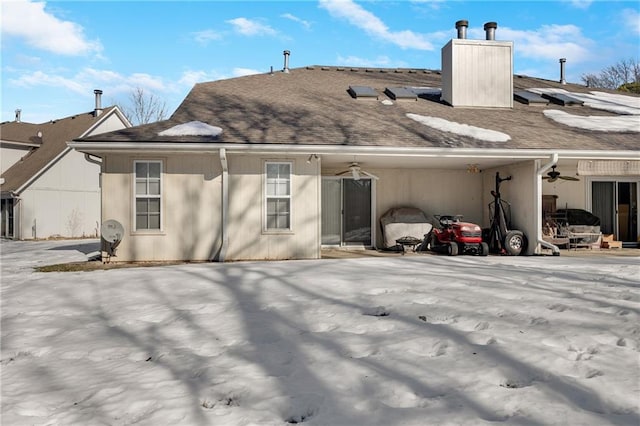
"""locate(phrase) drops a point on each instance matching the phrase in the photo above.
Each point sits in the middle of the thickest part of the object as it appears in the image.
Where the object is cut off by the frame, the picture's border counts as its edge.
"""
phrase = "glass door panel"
(357, 211)
(331, 211)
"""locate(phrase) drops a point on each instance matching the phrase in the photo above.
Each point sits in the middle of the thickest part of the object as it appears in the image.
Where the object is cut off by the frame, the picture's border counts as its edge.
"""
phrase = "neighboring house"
(48, 189)
(254, 167)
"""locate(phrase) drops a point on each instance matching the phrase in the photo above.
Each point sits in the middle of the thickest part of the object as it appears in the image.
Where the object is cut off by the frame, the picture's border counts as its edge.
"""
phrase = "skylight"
(397, 93)
(358, 92)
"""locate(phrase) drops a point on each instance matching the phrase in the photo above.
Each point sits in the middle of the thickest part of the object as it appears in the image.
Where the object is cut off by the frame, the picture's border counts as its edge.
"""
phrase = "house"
(47, 188)
(281, 164)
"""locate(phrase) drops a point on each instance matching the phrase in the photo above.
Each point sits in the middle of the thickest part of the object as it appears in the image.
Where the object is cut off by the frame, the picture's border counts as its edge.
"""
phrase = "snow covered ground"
(404, 340)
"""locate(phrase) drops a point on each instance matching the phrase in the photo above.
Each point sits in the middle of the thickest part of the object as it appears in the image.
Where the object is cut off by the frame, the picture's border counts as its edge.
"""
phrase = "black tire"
(514, 243)
(483, 249)
(452, 249)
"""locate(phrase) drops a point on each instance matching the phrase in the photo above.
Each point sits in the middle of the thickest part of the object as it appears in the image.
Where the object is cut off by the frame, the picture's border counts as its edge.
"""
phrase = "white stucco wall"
(519, 193)
(247, 237)
(192, 209)
(570, 194)
(191, 205)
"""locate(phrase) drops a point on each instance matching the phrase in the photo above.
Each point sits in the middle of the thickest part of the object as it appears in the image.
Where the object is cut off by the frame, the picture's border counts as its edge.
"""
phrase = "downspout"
(91, 160)
(555, 250)
(225, 204)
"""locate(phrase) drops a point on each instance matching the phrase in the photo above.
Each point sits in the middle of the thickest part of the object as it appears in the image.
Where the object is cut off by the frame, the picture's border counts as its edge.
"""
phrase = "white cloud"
(87, 79)
(294, 18)
(250, 27)
(39, 78)
(191, 77)
(204, 37)
(549, 42)
(380, 61)
(372, 25)
(580, 4)
(631, 19)
(40, 29)
(241, 72)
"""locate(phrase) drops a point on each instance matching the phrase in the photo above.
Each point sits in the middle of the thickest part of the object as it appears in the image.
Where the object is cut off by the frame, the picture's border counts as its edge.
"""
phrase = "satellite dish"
(112, 232)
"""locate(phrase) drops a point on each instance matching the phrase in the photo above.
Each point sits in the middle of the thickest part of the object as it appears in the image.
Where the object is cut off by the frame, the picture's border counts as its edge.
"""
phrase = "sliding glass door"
(346, 211)
(616, 204)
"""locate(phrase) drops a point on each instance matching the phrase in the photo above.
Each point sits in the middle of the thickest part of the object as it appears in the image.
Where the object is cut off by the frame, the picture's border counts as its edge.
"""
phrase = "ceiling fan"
(356, 172)
(554, 175)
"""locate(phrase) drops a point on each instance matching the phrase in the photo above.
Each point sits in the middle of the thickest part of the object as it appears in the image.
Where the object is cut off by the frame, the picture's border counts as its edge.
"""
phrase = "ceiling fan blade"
(571, 178)
(371, 175)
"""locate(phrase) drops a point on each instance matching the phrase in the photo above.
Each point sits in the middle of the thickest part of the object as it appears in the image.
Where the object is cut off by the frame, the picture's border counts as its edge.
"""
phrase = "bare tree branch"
(144, 107)
(624, 75)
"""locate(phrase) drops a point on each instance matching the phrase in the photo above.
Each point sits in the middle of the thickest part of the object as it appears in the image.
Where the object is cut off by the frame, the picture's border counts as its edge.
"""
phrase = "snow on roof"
(192, 128)
(618, 104)
(460, 129)
(627, 123)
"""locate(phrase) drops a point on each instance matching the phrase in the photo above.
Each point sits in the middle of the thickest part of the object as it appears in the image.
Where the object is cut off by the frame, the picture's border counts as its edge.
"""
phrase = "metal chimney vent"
(98, 109)
(490, 29)
(286, 61)
(18, 111)
(562, 62)
(462, 26)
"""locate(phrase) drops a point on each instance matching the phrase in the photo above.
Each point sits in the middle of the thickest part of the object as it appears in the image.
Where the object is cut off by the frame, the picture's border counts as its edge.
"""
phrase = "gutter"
(92, 160)
(237, 148)
(554, 159)
(225, 205)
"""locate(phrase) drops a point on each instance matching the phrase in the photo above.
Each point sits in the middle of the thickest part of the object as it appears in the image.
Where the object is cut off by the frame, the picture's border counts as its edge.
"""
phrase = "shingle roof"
(55, 135)
(20, 133)
(312, 105)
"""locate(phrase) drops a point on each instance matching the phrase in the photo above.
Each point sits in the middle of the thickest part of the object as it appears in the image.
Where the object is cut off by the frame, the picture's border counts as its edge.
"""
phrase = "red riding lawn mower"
(457, 237)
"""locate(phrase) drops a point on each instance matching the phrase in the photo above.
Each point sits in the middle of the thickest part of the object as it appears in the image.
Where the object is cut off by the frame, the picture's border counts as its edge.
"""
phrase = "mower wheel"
(452, 249)
(514, 242)
(483, 249)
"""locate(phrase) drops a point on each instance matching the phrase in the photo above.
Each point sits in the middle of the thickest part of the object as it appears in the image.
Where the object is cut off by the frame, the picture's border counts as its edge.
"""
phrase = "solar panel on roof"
(529, 98)
(363, 92)
(396, 93)
(562, 99)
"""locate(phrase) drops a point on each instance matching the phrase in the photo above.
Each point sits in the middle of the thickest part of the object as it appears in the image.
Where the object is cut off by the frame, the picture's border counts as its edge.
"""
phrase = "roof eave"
(97, 148)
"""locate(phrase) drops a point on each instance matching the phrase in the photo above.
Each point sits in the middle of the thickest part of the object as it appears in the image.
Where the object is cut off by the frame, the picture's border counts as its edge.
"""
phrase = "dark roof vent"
(18, 112)
(360, 92)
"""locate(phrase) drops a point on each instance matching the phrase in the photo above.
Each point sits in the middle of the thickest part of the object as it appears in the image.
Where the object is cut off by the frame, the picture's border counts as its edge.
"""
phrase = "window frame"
(147, 196)
(266, 196)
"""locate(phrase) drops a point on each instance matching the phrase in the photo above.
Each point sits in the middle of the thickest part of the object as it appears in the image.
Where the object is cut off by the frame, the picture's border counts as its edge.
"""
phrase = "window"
(278, 196)
(148, 190)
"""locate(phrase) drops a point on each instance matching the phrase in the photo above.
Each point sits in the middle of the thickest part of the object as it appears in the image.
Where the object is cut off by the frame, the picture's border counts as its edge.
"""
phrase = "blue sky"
(55, 53)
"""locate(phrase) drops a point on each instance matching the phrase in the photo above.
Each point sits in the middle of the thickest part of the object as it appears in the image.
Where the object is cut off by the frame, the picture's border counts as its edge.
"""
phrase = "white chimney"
(562, 62)
(18, 112)
(98, 109)
(477, 73)
(286, 61)
(490, 29)
(461, 26)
